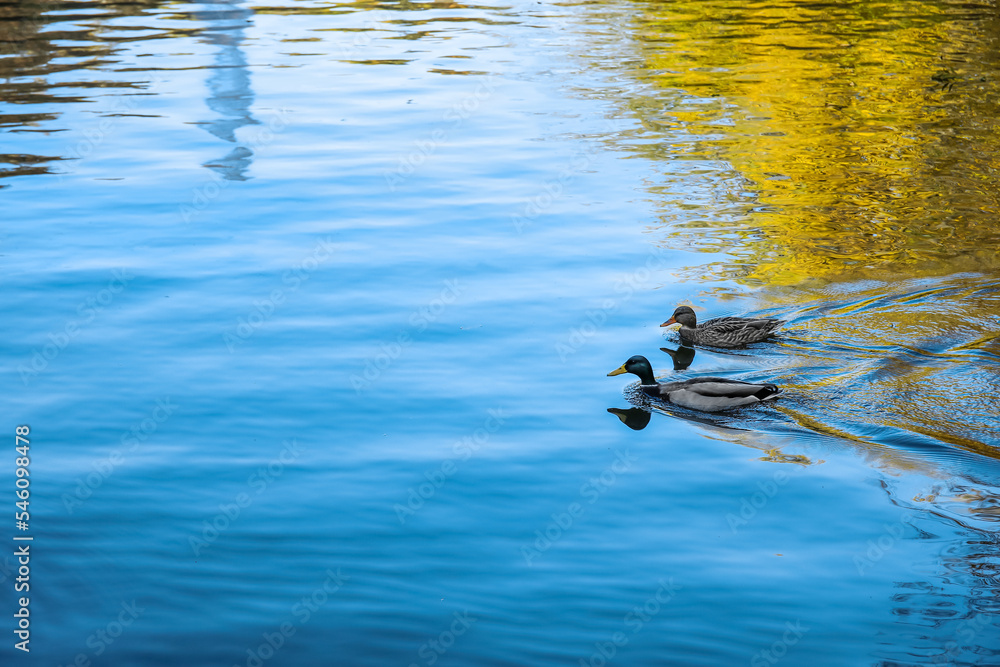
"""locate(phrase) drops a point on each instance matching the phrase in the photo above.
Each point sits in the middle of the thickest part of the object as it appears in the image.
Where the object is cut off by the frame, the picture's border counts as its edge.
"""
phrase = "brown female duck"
(721, 331)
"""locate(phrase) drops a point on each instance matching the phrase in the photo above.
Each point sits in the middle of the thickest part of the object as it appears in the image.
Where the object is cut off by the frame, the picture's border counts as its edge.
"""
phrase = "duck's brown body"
(727, 332)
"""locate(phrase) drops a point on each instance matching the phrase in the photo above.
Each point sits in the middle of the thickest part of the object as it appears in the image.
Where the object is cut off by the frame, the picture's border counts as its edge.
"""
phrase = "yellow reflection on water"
(837, 138)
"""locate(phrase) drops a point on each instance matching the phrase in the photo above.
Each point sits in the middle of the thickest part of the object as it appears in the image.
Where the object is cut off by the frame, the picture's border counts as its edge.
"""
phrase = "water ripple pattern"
(309, 307)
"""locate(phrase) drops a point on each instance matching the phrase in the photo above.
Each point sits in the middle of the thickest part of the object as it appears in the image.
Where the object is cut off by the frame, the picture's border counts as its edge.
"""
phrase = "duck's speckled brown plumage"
(722, 331)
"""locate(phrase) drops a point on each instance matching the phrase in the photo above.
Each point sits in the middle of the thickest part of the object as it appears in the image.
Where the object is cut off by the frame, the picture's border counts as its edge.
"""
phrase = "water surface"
(310, 307)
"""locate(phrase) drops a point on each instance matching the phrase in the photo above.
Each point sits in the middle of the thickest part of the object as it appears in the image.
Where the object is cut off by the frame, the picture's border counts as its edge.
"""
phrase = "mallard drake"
(708, 394)
(721, 331)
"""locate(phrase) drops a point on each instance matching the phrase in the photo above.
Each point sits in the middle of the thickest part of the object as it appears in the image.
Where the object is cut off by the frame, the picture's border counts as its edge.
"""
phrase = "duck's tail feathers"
(768, 392)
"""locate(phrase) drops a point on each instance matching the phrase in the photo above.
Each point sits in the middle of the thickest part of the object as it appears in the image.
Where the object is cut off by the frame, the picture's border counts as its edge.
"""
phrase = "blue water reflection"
(341, 397)
(229, 83)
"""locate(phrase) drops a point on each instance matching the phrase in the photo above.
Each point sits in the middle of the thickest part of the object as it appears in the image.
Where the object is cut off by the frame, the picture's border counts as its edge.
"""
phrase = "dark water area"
(310, 309)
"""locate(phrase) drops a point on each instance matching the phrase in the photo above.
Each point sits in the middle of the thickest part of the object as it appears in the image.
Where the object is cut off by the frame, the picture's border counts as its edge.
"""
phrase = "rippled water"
(310, 307)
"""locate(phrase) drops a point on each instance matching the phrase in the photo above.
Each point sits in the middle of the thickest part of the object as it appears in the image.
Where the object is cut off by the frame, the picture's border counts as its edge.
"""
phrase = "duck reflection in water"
(635, 418)
(682, 356)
